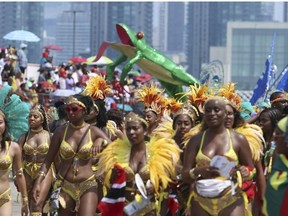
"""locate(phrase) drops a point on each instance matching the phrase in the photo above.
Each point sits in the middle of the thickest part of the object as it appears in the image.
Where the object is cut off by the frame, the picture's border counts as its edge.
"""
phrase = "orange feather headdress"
(153, 98)
(97, 88)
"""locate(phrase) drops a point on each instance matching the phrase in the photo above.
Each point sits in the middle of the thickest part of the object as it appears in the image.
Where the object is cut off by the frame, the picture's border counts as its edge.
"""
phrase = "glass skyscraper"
(27, 16)
(105, 15)
(207, 24)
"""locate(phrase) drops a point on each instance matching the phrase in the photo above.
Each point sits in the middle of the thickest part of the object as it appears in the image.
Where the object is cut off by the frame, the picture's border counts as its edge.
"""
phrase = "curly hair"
(115, 115)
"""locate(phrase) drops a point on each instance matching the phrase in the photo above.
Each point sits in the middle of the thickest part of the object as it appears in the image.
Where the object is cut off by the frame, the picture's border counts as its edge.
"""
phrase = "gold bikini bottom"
(32, 169)
(5, 197)
(76, 190)
(213, 206)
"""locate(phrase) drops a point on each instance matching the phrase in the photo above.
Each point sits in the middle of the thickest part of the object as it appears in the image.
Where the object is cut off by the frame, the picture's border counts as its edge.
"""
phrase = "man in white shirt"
(22, 58)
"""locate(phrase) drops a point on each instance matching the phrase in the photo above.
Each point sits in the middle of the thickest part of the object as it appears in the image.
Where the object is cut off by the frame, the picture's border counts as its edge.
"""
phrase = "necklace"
(77, 126)
(36, 130)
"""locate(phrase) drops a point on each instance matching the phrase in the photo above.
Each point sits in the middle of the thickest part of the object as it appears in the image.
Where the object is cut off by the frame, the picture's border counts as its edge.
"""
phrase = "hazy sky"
(52, 9)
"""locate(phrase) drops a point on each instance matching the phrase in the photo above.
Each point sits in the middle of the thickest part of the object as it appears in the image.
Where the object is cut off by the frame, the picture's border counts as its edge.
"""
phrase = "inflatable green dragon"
(171, 76)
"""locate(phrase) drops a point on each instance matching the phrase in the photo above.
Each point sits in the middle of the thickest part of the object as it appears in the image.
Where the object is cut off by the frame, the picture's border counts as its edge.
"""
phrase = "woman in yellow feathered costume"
(154, 161)
(254, 135)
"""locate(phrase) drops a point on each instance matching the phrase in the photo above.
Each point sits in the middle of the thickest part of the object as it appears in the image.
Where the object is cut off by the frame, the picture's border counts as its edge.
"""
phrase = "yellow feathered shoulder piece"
(193, 131)
(165, 127)
(254, 135)
(116, 152)
(112, 127)
(163, 155)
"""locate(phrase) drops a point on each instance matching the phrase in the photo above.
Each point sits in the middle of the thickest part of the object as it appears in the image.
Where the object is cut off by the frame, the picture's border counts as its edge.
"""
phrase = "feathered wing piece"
(117, 152)
(254, 135)
(163, 155)
(193, 131)
(16, 112)
(112, 127)
(230, 94)
(97, 88)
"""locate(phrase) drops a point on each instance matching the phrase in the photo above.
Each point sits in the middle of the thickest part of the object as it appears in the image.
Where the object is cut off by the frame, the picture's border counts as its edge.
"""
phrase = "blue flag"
(283, 83)
(262, 83)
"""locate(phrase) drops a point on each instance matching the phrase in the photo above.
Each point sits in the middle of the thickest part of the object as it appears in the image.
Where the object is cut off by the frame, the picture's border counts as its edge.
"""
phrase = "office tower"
(170, 27)
(23, 16)
(73, 31)
(105, 15)
(248, 46)
(207, 24)
(285, 11)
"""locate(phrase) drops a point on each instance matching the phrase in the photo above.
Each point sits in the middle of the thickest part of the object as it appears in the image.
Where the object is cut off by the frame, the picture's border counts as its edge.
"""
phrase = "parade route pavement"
(16, 206)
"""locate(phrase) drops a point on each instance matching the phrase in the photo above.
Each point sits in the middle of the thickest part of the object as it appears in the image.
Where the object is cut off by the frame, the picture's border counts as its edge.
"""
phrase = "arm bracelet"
(192, 174)
(41, 173)
(18, 173)
(24, 200)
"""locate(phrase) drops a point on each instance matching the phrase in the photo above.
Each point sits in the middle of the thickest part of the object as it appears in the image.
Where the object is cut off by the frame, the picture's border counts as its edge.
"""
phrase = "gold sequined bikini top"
(6, 161)
(143, 172)
(41, 149)
(67, 152)
(203, 160)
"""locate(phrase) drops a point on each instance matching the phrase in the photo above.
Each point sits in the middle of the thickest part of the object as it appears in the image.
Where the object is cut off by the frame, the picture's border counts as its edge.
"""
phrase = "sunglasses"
(74, 109)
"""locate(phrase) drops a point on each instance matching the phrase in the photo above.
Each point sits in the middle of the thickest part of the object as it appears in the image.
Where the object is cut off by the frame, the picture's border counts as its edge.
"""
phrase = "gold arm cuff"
(24, 200)
(192, 174)
(41, 173)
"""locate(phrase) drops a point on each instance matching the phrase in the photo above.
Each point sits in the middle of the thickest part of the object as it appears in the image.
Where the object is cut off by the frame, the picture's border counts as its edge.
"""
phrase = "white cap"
(22, 45)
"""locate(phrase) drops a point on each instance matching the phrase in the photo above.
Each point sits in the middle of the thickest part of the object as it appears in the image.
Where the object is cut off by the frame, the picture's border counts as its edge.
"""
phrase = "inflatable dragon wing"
(171, 76)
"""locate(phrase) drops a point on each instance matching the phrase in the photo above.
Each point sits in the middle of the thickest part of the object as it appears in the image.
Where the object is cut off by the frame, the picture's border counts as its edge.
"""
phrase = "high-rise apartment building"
(207, 24)
(105, 15)
(27, 16)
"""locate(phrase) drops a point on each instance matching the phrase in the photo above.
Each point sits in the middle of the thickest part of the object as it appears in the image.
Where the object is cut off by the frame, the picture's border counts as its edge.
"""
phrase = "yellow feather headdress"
(198, 95)
(230, 94)
(152, 97)
(97, 88)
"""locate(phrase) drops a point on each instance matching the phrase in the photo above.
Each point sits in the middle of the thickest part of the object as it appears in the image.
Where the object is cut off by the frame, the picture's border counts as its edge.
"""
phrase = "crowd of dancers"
(204, 152)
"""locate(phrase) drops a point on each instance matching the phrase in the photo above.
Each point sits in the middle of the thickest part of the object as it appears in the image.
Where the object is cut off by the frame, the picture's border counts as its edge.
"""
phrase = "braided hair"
(39, 108)
(274, 114)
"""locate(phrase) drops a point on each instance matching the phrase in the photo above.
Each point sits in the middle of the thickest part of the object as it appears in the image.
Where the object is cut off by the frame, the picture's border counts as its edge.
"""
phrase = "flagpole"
(279, 76)
(270, 66)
